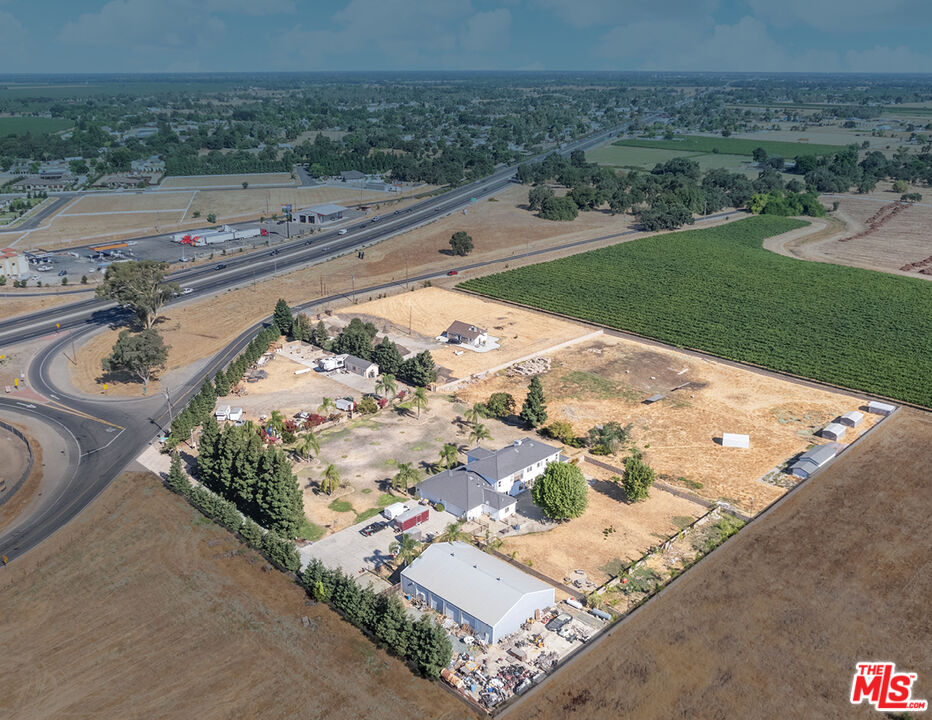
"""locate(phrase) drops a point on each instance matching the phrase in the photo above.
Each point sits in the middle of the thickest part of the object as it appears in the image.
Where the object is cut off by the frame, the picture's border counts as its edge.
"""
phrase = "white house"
(466, 334)
(359, 366)
(474, 588)
(489, 481)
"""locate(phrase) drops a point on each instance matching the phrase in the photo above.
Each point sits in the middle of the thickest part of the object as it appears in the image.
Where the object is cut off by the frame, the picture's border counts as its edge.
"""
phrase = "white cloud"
(679, 45)
(12, 38)
(487, 31)
(882, 59)
(832, 16)
(591, 13)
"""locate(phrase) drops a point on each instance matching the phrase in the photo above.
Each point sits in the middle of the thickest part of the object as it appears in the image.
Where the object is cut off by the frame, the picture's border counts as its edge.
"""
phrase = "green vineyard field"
(718, 290)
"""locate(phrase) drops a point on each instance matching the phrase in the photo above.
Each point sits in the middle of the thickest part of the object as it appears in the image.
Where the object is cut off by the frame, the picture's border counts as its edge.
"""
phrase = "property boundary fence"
(29, 462)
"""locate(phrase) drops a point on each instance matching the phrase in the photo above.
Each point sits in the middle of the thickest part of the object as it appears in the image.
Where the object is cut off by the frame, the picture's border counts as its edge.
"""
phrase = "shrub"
(561, 492)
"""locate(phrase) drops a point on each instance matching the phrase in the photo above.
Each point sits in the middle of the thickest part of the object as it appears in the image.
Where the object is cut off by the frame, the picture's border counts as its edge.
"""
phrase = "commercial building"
(13, 263)
(475, 589)
(320, 214)
(347, 175)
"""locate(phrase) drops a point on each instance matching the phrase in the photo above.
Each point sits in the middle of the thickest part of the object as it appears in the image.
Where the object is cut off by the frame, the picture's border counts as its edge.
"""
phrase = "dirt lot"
(894, 239)
(582, 544)
(221, 180)
(124, 202)
(428, 312)
(25, 303)
(772, 624)
(170, 606)
(608, 379)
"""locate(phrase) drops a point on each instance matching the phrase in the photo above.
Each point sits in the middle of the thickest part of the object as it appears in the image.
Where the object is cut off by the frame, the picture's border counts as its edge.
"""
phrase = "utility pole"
(171, 418)
(354, 289)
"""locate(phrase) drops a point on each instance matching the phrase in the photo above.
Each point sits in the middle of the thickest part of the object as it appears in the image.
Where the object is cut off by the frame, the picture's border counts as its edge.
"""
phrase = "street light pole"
(171, 418)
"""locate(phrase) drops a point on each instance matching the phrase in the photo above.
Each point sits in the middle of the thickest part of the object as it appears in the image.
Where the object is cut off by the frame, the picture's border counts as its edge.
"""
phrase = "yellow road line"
(86, 416)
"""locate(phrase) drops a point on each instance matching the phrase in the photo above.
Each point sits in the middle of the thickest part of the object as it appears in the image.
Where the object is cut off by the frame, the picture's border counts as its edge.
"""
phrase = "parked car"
(303, 415)
(559, 622)
(453, 272)
(372, 528)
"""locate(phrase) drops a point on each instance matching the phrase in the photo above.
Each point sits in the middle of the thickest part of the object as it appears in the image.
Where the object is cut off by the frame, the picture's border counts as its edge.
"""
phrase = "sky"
(90, 36)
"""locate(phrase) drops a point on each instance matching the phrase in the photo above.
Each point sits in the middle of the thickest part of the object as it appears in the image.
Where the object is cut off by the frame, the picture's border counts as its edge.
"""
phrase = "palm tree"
(449, 455)
(386, 386)
(330, 480)
(474, 413)
(276, 420)
(406, 476)
(453, 532)
(404, 550)
(493, 542)
(419, 400)
(306, 444)
(479, 433)
(326, 404)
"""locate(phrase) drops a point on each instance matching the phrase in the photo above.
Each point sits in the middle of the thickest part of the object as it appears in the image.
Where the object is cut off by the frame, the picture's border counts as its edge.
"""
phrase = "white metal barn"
(880, 408)
(736, 440)
(475, 589)
(852, 418)
(834, 431)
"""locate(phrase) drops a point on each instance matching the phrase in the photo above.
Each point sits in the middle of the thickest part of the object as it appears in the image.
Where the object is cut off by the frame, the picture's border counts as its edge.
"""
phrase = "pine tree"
(221, 384)
(207, 452)
(387, 357)
(278, 497)
(534, 410)
(282, 317)
(177, 480)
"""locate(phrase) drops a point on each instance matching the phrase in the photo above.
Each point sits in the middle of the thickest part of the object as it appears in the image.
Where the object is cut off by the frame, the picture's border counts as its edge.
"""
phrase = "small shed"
(852, 418)
(880, 408)
(736, 440)
(345, 404)
(834, 431)
(655, 398)
(358, 366)
(411, 518)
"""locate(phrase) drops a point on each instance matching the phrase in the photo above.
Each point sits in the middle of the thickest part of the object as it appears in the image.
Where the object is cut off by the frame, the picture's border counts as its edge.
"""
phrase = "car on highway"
(342, 232)
(397, 212)
(453, 272)
(187, 291)
(372, 528)
(376, 218)
(62, 273)
(436, 209)
(308, 242)
(220, 266)
(275, 252)
(559, 622)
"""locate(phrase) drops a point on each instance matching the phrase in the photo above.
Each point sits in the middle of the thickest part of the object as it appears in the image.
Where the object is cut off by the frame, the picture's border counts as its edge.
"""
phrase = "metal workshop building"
(474, 588)
(320, 214)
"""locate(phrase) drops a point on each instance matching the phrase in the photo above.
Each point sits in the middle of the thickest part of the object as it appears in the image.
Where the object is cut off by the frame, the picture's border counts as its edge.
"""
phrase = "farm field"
(33, 125)
(732, 146)
(186, 623)
(878, 236)
(642, 157)
(719, 290)
(430, 311)
(772, 623)
(608, 378)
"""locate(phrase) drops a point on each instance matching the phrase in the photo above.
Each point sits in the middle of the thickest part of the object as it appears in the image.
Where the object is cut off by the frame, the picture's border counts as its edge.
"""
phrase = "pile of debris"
(534, 366)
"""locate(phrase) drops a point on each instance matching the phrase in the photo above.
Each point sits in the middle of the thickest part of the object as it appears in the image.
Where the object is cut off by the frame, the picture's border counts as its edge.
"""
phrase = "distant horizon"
(207, 36)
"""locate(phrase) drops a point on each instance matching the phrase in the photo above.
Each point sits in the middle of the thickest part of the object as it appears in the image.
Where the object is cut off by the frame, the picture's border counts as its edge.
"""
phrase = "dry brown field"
(771, 624)
(122, 202)
(280, 178)
(582, 544)
(428, 312)
(887, 242)
(141, 608)
(609, 378)
(13, 306)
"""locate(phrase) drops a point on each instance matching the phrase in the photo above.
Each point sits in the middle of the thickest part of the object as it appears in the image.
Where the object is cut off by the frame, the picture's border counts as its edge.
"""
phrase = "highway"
(108, 433)
(289, 256)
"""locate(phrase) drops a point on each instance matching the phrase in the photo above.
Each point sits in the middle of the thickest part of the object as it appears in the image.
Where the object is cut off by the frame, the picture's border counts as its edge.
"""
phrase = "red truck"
(410, 519)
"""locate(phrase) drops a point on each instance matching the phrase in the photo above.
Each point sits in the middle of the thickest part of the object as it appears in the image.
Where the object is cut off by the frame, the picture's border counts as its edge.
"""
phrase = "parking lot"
(354, 552)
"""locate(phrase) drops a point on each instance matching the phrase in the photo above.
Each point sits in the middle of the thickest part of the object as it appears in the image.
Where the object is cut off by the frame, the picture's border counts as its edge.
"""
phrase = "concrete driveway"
(351, 551)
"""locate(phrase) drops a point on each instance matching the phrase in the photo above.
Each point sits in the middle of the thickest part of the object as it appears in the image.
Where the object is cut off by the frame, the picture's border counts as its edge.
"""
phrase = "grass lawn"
(731, 146)
(33, 125)
(310, 531)
(720, 291)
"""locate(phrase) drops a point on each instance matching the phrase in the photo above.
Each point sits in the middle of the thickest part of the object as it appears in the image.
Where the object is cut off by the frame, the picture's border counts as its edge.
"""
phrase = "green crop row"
(733, 146)
(719, 290)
